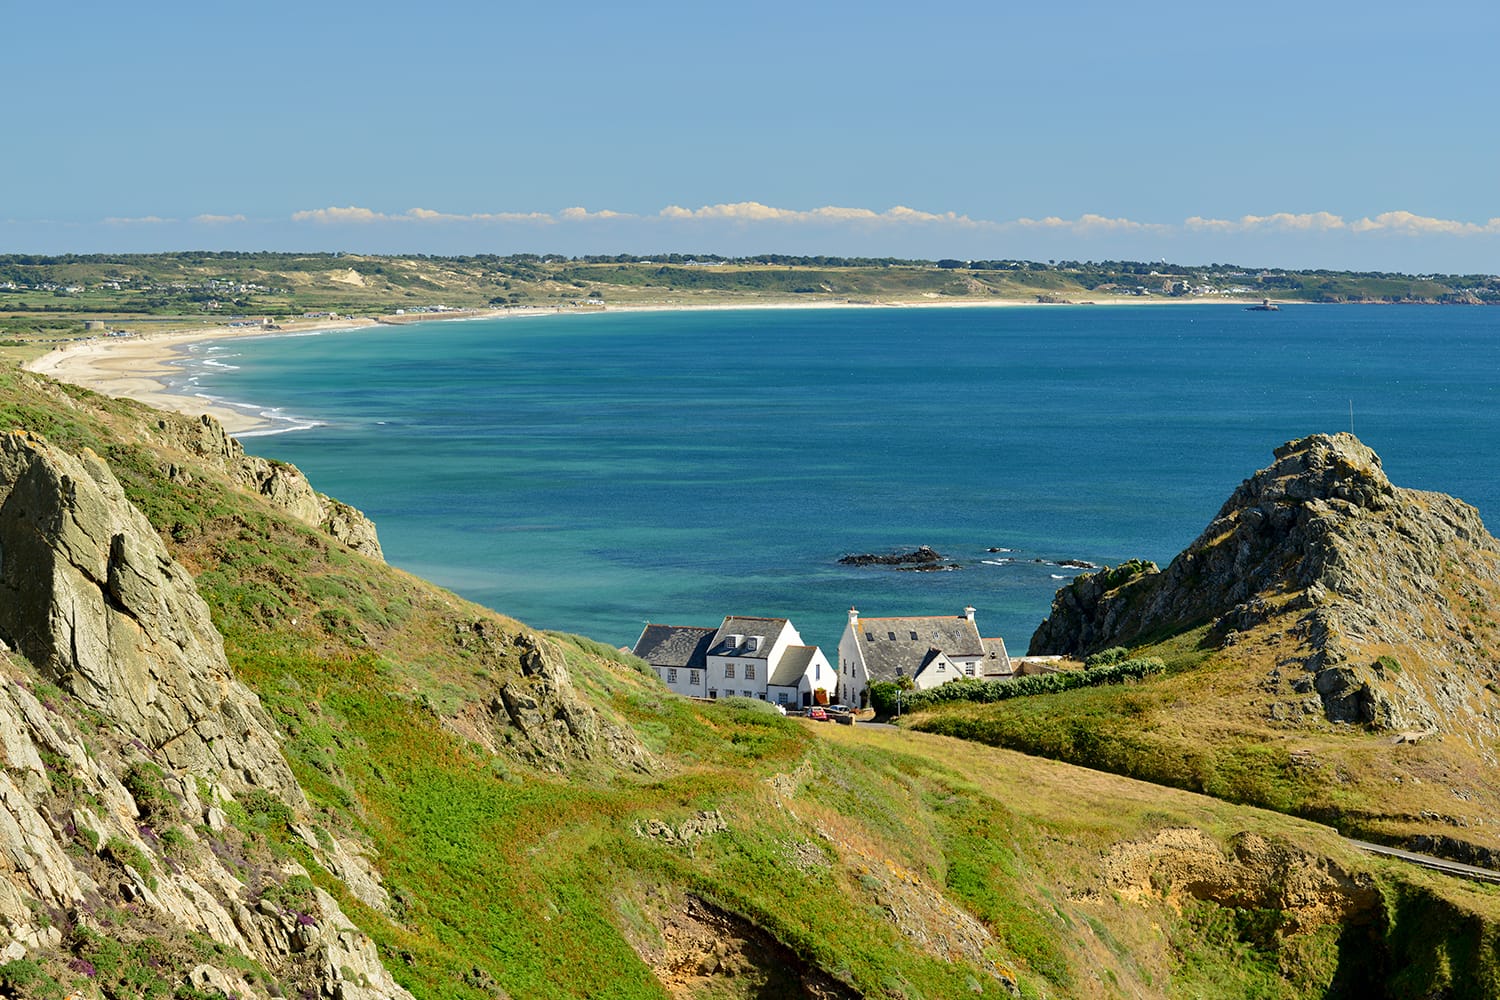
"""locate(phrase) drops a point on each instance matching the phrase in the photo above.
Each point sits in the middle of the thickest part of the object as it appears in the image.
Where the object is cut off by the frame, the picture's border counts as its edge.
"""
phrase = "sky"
(1310, 134)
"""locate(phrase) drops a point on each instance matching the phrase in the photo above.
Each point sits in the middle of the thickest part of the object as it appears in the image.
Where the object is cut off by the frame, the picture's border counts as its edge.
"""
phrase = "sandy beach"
(142, 367)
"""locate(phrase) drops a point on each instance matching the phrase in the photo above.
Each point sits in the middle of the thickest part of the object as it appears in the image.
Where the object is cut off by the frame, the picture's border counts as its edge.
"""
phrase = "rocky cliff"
(128, 746)
(1380, 599)
(282, 485)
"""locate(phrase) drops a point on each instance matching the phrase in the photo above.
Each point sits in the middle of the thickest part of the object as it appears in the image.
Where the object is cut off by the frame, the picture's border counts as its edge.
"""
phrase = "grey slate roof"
(766, 628)
(888, 644)
(794, 663)
(675, 646)
(996, 659)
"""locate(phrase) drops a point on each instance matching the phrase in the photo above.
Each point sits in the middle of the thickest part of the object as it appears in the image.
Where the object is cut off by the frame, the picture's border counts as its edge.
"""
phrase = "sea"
(594, 472)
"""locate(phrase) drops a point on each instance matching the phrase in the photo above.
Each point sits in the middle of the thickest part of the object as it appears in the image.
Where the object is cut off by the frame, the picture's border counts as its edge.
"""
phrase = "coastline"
(142, 367)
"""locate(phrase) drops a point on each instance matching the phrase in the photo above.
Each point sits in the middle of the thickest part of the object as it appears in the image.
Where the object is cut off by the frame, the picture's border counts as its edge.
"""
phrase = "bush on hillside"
(986, 691)
(1107, 657)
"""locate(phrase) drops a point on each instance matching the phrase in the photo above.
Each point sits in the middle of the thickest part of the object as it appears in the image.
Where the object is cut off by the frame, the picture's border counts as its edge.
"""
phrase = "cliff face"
(114, 802)
(1381, 598)
(89, 594)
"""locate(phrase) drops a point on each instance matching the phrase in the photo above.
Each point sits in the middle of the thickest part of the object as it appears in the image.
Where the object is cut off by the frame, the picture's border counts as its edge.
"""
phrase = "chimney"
(853, 616)
(969, 612)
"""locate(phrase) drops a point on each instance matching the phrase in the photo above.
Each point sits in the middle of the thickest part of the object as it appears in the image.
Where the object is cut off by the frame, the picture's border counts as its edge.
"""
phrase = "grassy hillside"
(681, 849)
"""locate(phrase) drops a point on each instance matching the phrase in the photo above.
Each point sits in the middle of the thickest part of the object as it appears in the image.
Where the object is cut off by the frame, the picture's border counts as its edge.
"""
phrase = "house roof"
(675, 646)
(891, 644)
(765, 629)
(794, 663)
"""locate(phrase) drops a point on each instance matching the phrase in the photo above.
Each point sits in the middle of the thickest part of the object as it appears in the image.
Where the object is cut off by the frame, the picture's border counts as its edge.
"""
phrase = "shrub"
(749, 705)
(987, 691)
(146, 783)
(1106, 657)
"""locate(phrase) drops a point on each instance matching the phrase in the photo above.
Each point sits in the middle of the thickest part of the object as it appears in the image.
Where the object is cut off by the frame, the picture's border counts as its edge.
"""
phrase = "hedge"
(973, 689)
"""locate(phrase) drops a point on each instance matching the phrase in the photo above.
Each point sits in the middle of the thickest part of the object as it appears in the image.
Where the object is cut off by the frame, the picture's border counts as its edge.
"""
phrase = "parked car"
(817, 714)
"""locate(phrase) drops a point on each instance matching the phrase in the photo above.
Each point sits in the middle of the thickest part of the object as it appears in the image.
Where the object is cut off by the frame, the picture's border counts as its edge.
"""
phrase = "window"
(693, 677)
(748, 694)
(914, 636)
(728, 670)
(891, 636)
(671, 675)
(942, 668)
(749, 671)
(869, 637)
(900, 671)
(712, 693)
(781, 697)
(969, 669)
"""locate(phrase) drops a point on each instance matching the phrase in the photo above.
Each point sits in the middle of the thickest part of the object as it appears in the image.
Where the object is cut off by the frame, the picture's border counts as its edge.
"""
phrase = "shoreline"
(142, 367)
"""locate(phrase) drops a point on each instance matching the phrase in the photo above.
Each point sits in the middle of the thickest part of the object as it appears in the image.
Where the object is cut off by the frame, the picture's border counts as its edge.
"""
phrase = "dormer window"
(754, 642)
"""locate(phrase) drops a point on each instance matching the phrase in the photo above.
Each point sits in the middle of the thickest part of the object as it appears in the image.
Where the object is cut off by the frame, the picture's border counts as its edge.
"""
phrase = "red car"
(817, 714)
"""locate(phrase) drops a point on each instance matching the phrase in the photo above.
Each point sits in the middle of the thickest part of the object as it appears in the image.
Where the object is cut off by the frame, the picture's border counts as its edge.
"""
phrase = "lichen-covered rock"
(1388, 591)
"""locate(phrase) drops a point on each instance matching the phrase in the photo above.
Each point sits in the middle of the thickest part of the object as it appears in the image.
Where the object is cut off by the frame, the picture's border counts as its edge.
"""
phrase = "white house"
(679, 655)
(761, 658)
(931, 650)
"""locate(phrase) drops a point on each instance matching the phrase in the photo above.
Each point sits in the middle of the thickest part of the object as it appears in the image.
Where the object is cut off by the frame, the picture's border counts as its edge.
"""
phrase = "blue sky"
(1311, 134)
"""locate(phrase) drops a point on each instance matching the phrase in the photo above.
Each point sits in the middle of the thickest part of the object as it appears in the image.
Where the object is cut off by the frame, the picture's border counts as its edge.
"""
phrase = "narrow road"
(1428, 861)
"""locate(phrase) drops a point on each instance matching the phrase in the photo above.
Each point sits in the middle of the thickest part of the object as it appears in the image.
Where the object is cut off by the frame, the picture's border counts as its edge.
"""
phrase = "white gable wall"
(721, 685)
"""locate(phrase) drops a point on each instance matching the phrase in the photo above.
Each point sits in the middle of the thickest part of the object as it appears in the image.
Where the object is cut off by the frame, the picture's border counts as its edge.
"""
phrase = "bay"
(592, 472)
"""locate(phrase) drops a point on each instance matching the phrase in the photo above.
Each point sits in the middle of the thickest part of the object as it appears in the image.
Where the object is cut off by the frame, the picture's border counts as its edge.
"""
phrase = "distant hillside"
(53, 296)
(245, 758)
(1333, 644)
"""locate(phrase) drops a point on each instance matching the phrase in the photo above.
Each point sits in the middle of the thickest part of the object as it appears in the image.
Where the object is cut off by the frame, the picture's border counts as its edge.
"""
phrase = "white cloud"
(1090, 223)
(1400, 223)
(144, 220)
(1407, 223)
(352, 213)
(355, 214)
(579, 214)
(754, 211)
(218, 220)
(749, 213)
(1278, 222)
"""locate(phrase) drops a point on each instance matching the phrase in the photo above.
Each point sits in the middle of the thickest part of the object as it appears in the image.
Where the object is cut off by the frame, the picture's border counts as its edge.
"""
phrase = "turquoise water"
(592, 472)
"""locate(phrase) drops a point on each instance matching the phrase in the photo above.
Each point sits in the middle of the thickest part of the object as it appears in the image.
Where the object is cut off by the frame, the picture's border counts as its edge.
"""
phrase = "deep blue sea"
(593, 472)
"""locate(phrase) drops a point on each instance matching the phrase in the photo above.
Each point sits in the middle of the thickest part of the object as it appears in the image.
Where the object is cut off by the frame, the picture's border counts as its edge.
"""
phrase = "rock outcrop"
(1255, 873)
(125, 738)
(1385, 594)
(282, 485)
(536, 714)
(90, 596)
